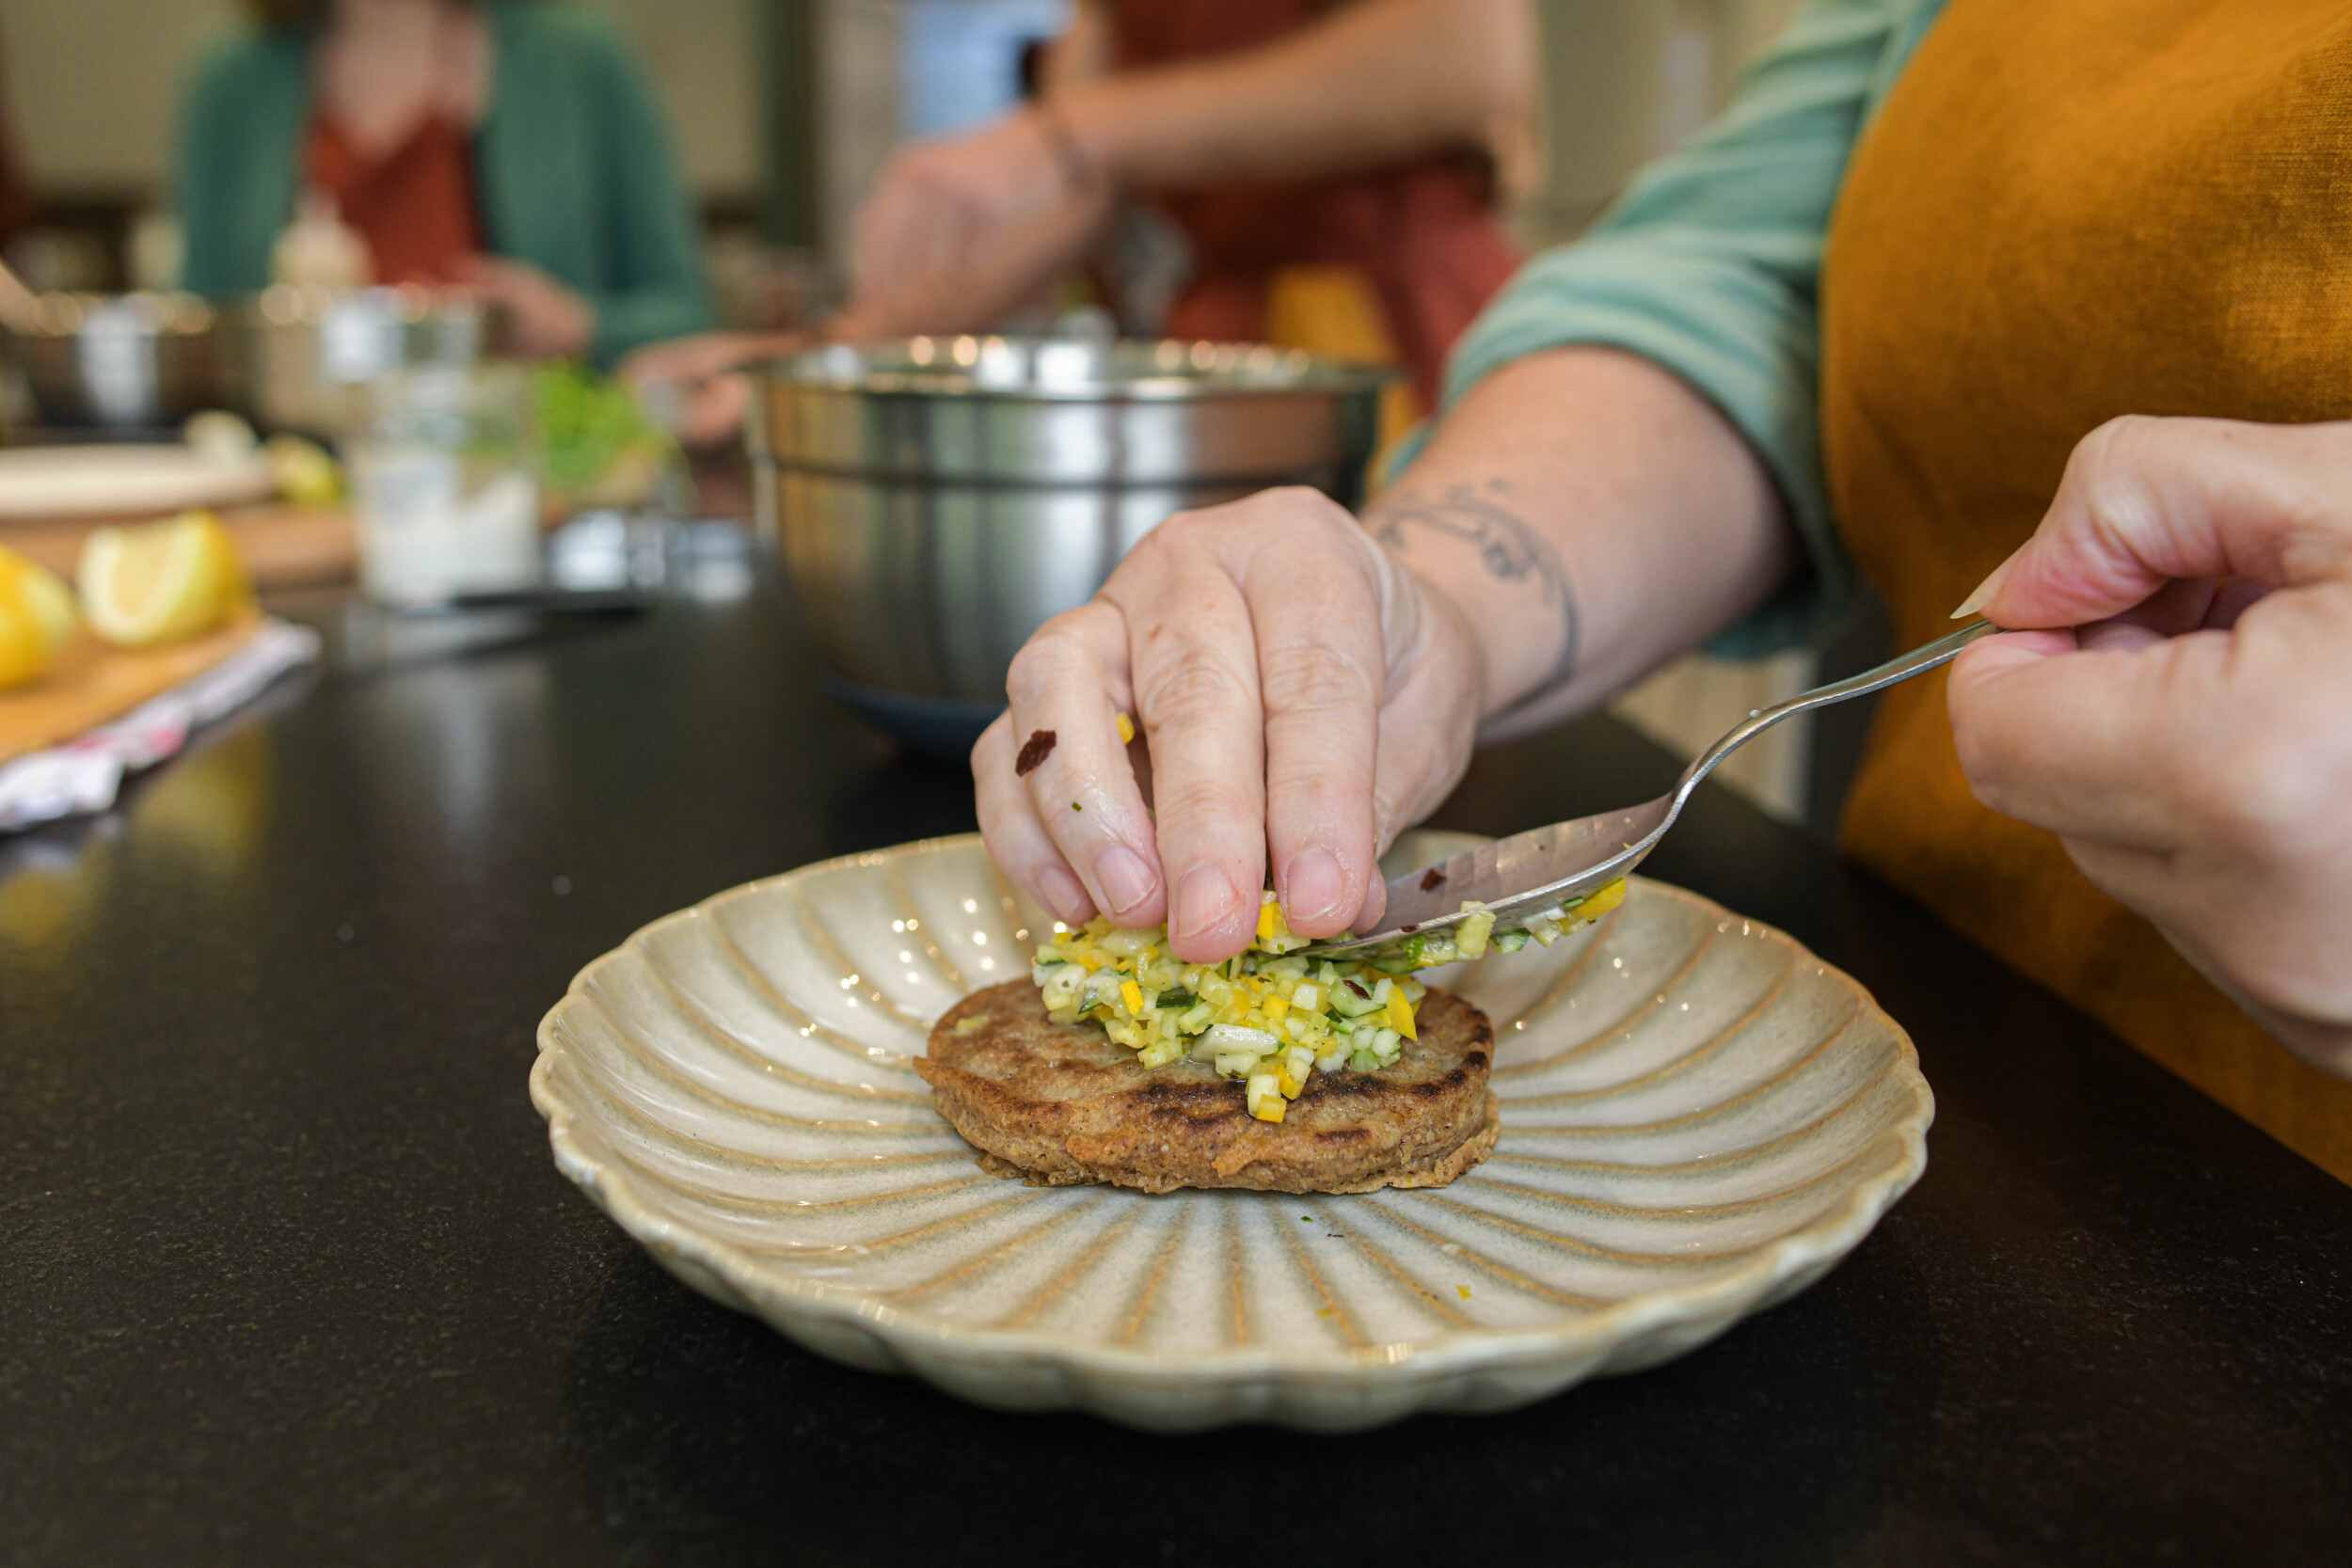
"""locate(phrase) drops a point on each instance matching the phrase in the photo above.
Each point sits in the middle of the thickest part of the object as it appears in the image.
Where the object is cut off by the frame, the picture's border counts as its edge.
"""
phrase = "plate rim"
(1588, 1338)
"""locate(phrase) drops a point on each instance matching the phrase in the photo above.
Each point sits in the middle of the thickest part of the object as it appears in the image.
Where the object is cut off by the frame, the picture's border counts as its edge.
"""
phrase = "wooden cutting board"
(92, 682)
(283, 547)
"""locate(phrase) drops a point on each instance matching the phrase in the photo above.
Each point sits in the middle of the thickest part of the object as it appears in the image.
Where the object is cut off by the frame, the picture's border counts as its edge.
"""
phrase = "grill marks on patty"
(1063, 1104)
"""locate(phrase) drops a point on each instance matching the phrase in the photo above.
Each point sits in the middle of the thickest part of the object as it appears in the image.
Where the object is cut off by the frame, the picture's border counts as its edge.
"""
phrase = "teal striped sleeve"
(1708, 266)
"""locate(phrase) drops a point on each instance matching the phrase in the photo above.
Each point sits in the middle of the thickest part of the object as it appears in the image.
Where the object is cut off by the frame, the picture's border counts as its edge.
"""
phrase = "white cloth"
(83, 774)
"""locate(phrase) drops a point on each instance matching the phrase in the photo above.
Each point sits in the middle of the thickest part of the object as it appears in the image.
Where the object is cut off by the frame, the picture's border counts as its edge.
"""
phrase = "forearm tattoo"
(1507, 546)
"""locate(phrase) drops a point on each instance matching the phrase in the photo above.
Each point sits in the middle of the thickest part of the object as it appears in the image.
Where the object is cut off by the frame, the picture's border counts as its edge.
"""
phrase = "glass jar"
(444, 487)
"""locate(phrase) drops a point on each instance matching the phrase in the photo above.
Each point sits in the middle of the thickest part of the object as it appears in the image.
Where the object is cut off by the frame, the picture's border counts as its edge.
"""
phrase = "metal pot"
(936, 501)
(305, 357)
(138, 362)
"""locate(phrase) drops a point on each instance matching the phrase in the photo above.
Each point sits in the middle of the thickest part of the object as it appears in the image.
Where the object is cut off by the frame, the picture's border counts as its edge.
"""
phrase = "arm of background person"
(1630, 435)
(956, 231)
(659, 288)
(233, 181)
(1368, 84)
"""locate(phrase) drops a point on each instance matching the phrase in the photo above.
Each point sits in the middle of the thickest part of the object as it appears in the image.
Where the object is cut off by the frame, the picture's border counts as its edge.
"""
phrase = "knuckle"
(1298, 518)
(1315, 681)
(1175, 533)
(1284, 506)
(2106, 466)
(1201, 799)
(1307, 502)
(2118, 445)
(1054, 655)
(1193, 687)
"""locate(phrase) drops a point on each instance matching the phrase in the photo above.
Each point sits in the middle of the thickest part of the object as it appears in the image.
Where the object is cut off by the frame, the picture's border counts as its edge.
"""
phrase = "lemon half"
(160, 581)
(36, 618)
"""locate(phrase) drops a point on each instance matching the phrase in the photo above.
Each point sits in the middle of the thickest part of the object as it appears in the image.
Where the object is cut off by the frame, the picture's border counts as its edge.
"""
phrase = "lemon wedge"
(160, 581)
(36, 618)
(303, 471)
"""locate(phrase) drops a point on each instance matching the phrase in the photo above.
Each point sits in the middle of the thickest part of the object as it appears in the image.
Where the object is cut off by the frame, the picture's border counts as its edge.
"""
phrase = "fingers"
(1311, 581)
(481, 271)
(2145, 500)
(714, 413)
(1067, 685)
(703, 355)
(1194, 651)
(2085, 740)
(1301, 692)
(1016, 840)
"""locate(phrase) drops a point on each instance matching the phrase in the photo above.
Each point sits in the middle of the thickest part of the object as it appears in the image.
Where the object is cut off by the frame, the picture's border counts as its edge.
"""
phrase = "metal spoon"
(1516, 877)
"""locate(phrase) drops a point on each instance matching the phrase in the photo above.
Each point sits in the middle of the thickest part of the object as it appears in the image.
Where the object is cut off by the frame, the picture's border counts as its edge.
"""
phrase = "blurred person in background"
(1335, 169)
(506, 149)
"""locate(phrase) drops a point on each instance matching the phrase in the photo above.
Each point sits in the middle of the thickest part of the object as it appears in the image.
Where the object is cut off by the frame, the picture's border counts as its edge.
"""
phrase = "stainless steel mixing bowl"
(138, 362)
(936, 501)
(305, 357)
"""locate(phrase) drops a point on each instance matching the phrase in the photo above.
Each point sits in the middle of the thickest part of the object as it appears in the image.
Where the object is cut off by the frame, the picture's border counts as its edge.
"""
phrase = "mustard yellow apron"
(2067, 211)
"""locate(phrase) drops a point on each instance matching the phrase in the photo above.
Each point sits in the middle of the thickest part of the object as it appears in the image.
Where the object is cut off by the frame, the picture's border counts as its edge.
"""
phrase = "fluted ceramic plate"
(1699, 1120)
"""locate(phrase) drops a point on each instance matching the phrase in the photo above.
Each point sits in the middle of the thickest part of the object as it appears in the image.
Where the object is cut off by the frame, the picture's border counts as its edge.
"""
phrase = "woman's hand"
(2191, 744)
(1302, 694)
(545, 319)
(958, 232)
(700, 378)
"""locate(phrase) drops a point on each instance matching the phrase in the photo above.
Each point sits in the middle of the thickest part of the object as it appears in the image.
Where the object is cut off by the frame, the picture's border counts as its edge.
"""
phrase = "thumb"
(2147, 500)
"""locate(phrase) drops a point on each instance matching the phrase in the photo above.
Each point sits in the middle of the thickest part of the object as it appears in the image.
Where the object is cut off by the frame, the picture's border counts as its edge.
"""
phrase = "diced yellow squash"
(1398, 1015)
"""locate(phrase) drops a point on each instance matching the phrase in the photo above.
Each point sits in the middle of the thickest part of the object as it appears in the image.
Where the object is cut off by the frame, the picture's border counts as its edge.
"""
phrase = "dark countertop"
(289, 1275)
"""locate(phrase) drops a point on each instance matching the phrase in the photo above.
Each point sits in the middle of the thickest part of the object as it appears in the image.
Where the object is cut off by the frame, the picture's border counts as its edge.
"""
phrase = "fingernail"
(1206, 897)
(1064, 894)
(1976, 602)
(1126, 880)
(1311, 887)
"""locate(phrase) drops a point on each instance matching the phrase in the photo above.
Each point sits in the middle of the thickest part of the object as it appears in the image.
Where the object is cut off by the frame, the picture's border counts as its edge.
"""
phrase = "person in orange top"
(1362, 140)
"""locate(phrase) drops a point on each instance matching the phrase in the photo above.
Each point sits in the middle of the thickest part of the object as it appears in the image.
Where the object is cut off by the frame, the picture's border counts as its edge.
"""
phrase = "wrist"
(1468, 546)
(1081, 126)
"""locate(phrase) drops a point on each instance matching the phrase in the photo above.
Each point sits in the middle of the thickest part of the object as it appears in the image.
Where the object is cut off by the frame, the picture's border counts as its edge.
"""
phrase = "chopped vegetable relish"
(1274, 1014)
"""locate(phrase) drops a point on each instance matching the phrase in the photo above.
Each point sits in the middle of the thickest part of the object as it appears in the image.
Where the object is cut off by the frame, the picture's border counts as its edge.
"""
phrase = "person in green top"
(586, 236)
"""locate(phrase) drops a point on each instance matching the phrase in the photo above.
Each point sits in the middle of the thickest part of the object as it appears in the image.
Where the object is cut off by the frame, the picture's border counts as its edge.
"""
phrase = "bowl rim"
(1177, 370)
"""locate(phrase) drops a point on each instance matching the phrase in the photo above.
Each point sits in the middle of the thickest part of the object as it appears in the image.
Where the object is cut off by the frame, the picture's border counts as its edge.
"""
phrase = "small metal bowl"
(305, 357)
(136, 361)
(937, 499)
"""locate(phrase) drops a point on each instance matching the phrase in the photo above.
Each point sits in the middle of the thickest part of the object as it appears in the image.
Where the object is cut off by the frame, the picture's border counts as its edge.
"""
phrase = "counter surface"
(289, 1275)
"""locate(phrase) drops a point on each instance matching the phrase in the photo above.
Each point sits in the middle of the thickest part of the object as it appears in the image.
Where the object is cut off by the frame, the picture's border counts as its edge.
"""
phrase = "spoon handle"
(1901, 668)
